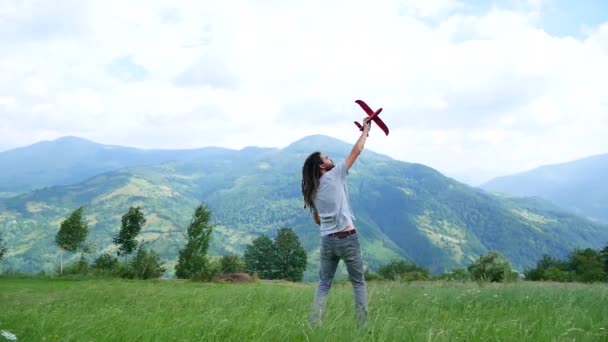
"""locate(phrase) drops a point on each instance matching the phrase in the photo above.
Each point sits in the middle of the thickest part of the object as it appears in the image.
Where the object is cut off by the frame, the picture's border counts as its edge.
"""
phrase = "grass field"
(170, 310)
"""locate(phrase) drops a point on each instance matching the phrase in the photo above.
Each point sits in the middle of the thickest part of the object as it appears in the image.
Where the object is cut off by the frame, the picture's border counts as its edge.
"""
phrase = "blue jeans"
(332, 250)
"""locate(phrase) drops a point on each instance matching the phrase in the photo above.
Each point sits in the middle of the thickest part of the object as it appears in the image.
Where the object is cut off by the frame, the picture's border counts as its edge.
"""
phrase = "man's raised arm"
(358, 147)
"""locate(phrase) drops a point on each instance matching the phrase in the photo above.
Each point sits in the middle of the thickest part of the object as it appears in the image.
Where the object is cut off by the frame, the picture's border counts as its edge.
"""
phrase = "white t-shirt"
(331, 201)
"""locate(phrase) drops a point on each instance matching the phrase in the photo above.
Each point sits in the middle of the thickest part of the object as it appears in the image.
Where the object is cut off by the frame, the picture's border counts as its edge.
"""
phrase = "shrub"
(400, 269)
(147, 264)
(491, 267)
(232, 264)
(105, 262)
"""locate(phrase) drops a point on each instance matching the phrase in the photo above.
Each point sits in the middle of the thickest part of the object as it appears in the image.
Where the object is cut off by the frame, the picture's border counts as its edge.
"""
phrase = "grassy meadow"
(46, 309)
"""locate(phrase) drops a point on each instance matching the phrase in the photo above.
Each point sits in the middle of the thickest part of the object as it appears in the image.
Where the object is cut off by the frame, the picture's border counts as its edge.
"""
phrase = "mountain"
(473, 176)
(580, 186)
(70, 160)
(402, 210)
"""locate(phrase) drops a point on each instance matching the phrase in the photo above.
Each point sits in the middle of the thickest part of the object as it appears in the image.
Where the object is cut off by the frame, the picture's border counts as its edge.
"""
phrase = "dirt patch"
(234, 278)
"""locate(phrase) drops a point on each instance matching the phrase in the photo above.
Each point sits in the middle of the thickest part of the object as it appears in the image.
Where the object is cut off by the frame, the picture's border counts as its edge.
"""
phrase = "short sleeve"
(341, 169)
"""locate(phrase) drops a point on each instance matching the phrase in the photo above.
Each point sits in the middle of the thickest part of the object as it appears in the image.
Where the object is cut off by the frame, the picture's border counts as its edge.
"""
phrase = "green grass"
(170, 310)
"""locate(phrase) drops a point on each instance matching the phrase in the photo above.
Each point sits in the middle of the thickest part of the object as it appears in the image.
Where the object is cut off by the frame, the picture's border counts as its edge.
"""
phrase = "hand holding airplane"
(372, 116)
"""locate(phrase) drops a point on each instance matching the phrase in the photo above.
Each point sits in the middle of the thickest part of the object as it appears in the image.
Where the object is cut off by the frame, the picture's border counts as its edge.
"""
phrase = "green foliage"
(3, 249)
(583, 265)
(587, 265)
(491, 267)
(105, 262)
(232, 264)
(457, 274)
(259, 257)
(73, 232)
(78, 267)
(559, 274)
(604, 256)
(371, 276)
(289, 256)
(146, 264)
(132, 223)
(281, 258)
(399, 269)
(543, 265)
(404, 210)
(193, 261)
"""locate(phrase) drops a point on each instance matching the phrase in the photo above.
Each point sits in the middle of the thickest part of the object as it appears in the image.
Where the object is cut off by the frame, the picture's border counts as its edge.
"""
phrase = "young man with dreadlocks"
(326, 195)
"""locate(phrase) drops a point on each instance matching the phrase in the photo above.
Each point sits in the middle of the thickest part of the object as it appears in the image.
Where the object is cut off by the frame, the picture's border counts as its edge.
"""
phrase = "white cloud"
(459, 89)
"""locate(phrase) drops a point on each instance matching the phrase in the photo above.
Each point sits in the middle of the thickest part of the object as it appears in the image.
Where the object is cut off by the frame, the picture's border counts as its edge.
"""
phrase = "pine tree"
(132, 223)
(193, 262)
(72, 234)
(289, 256)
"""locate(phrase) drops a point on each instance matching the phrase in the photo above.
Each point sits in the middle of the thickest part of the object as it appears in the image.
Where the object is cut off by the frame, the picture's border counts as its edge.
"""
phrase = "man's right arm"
(358, 147)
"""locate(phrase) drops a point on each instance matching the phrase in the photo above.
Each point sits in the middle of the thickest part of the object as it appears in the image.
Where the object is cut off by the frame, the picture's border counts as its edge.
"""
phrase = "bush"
(556, 274)
(371, 276)
(399, 269)
(147, 264)
(491, 267)
(232, 264)
(105, 262)
(208, 270)
(80, 267)
(457, 274)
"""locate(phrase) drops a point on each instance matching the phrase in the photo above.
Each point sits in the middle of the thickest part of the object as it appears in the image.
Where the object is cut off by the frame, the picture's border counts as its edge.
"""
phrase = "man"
(326, 195)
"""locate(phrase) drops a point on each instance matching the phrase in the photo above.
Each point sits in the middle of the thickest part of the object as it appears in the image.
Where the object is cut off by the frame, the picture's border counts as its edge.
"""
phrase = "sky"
(474, 89)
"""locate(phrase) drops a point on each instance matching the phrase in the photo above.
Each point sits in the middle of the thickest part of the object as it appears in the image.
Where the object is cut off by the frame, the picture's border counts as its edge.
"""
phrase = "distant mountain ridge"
(69, 160)
(402, 209)
(580, 185)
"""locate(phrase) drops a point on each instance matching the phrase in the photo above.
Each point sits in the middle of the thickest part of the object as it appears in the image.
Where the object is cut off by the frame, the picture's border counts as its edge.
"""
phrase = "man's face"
(327, 163)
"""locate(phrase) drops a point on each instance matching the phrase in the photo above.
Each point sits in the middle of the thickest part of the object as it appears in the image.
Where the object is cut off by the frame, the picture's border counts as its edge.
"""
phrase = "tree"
(545, 266)
(259, 257)
(604, 255)
(193, 262)
(132, 222)
(491, 267)
(587, 265)
(72, 234)
(289, 256)
(3, 249)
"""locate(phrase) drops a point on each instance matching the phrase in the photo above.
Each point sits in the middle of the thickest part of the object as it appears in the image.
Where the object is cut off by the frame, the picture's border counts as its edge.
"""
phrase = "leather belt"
(342, 235)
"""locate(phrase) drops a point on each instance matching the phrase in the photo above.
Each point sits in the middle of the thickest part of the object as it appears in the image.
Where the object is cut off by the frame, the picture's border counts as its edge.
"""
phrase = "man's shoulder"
(341, 168)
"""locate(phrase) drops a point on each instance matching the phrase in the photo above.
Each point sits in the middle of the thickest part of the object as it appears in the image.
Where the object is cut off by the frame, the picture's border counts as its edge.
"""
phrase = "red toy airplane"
(372, 116)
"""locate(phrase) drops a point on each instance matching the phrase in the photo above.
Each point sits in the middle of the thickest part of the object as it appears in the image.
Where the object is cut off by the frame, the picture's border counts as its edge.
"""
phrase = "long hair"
(310, 178)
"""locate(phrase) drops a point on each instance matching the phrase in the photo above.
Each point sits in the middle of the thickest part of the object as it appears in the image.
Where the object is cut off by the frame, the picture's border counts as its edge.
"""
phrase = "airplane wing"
(373, 115)
(381, 124)
(365, 107)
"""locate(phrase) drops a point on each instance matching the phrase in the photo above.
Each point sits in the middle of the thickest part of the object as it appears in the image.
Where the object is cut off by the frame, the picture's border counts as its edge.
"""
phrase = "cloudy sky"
(471, 88)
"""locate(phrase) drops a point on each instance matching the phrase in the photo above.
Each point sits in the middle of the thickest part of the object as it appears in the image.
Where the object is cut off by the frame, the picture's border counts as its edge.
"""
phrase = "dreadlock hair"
(310, 178)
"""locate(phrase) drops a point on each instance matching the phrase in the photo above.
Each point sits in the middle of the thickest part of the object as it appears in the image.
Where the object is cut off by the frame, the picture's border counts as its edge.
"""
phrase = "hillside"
(402, 209)
(70, 160)
(579, 186)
